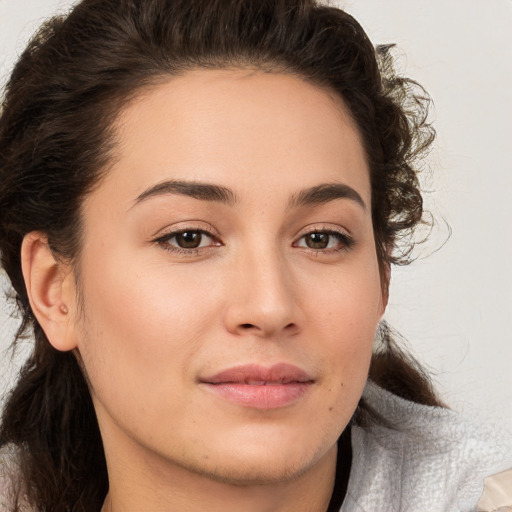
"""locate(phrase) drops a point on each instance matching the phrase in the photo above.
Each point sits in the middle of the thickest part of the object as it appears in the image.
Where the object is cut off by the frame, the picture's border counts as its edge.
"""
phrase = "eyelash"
(164, 240)
(345, 241)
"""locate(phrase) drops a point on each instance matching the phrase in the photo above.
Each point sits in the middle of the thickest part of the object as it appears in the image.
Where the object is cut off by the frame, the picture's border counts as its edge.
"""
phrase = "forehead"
(248, 130)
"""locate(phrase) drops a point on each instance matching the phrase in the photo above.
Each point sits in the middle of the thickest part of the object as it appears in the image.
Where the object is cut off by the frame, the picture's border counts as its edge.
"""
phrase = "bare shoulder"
(497, 496)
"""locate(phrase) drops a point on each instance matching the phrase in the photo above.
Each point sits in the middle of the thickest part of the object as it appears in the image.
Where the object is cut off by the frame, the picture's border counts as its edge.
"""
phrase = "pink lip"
(260, 387)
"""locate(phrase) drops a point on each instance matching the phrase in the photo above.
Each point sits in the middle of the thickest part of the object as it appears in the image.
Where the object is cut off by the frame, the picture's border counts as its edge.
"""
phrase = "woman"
(200, 203)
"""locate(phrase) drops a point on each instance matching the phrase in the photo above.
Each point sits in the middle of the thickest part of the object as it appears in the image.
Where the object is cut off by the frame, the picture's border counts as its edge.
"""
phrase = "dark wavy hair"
(57, 139)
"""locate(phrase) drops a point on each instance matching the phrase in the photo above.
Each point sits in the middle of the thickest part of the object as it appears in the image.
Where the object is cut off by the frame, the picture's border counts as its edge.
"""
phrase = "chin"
(262, 463)
(267, 471)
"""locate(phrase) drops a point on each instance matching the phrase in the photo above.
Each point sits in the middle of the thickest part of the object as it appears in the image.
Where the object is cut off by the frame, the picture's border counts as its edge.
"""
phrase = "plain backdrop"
(454, 304)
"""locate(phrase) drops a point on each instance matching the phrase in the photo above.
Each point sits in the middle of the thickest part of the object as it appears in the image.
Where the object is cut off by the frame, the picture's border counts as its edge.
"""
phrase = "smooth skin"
(274, 264)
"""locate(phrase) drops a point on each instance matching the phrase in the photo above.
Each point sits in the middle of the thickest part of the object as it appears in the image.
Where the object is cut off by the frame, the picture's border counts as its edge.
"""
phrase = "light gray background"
(454, 305)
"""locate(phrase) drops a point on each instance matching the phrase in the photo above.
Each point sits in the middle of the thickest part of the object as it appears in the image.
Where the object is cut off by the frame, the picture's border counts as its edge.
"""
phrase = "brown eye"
(189, 239)
(317, 240)
(326, 241)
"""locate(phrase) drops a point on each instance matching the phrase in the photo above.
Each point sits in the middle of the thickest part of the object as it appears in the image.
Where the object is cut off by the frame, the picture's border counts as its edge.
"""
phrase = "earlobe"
(48, 287)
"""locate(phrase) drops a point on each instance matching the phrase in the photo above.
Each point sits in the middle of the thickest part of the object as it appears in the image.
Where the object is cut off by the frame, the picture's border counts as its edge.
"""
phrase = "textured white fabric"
(436, 461)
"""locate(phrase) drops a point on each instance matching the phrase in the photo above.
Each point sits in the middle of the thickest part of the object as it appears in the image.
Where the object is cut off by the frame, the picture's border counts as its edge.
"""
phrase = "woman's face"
(229, 282)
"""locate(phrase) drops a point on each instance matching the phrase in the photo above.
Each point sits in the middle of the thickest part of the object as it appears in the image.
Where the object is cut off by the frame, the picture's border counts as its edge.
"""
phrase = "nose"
(263, 298)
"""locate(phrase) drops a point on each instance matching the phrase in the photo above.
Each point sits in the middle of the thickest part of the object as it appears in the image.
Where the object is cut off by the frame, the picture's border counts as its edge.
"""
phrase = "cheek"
(344, 321)
(346, 305)
(141, 330)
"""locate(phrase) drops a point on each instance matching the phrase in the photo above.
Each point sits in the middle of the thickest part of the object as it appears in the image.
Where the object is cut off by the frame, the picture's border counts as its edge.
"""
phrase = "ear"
(51, 290)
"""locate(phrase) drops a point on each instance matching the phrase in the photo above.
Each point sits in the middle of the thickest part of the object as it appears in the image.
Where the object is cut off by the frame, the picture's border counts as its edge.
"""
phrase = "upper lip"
(281, 373)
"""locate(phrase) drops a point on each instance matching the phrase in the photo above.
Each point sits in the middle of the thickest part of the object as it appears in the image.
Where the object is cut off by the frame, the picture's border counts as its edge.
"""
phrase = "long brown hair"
(55, 143)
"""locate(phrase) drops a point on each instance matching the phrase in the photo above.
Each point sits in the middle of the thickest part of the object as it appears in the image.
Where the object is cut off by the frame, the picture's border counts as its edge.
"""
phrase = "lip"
(260, 387)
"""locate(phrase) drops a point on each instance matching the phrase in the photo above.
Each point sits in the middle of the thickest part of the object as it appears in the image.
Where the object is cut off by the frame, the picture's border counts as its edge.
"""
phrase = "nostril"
(291, 328)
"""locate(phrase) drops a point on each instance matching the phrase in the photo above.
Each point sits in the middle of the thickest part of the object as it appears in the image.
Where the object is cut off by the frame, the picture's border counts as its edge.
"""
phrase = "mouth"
(260, 387)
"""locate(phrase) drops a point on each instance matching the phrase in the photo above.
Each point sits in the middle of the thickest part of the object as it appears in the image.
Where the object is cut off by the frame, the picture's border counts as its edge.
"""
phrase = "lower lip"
(270, 396)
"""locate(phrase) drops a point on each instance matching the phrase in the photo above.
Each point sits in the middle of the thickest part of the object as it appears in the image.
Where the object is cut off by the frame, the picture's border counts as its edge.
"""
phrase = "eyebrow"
(202, 191)
(316, 195)
(325, 193)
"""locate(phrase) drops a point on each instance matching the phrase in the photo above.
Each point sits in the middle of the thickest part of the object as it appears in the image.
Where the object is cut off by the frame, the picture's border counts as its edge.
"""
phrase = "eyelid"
(191, 225)
(323, 228)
